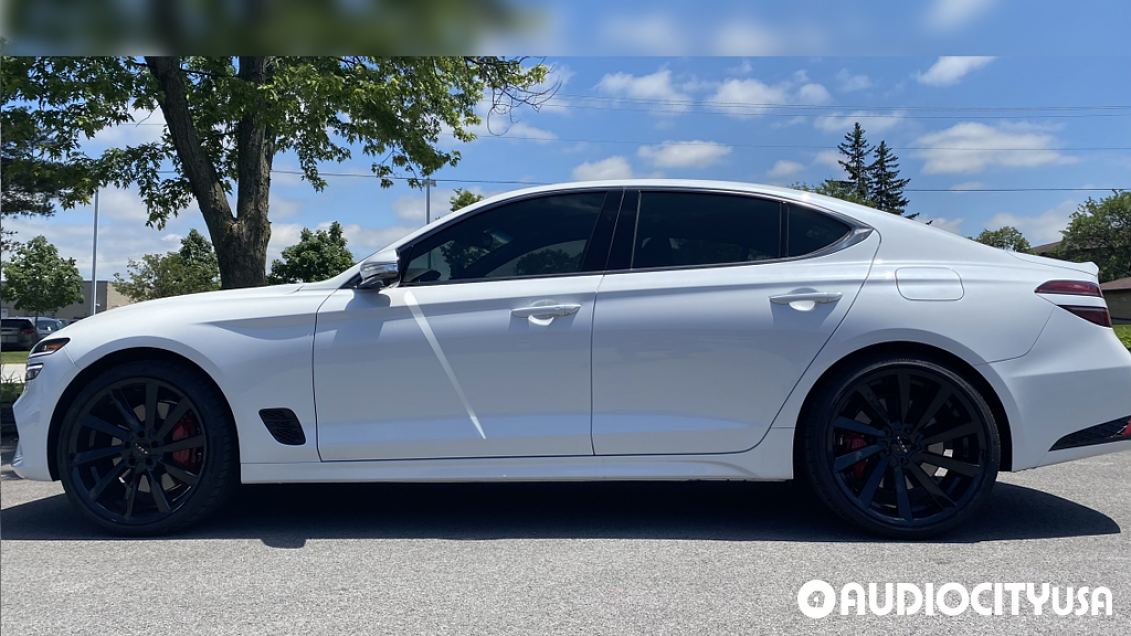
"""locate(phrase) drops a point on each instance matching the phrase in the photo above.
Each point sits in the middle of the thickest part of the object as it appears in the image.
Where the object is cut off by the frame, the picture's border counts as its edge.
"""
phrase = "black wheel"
(904, 448)
(148, 448)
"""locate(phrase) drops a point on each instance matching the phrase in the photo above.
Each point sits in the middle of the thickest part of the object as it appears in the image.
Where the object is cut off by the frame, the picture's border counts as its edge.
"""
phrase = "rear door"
(713, 306)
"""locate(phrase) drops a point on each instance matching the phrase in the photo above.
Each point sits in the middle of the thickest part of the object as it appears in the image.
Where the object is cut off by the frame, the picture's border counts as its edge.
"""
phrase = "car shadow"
(286, 516)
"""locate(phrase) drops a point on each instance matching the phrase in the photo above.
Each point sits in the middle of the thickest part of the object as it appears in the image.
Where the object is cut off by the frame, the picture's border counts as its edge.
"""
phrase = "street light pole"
(428, 183)
(94, 262)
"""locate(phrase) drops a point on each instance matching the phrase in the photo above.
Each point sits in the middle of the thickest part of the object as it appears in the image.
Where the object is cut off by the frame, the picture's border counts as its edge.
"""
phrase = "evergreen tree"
(855, 150)
(885, 188)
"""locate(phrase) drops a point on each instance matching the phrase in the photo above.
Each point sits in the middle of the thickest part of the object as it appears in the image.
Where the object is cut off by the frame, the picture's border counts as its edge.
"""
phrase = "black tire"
(111, 454)
(871, 432)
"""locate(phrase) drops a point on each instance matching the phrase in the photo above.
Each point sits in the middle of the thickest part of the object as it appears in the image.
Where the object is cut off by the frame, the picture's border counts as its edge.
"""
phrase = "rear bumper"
(1076, 377)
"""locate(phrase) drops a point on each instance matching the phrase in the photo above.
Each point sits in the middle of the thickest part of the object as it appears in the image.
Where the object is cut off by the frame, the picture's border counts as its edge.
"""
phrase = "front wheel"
(147, 448)
(905, 448)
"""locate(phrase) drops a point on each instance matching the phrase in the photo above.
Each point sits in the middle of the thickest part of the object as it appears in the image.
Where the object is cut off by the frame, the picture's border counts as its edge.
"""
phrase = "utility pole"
(428, 183)
(94, 262)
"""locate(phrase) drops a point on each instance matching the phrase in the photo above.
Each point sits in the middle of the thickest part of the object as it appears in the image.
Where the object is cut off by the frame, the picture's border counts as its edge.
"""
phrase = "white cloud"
(281, 207)
(147, 127)
(683, 154)
(968, 185)
(735, 94)
(784, 168)
(813, 94)
(828, 158)
(413, 207)
(658, 86)
(1042, 228)
(948, 155)
(870, 121)
(743, 37)
(850, 82)
(948, 70)
(947, 15)
(501, 126)
(649, 34)
(612, 168)
(954, 226)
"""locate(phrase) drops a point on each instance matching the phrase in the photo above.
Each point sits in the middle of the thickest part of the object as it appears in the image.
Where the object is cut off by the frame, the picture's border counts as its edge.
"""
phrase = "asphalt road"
(649, 559)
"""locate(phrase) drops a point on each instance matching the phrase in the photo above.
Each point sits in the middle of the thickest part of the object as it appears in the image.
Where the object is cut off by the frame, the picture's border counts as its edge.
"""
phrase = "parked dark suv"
(18, 333)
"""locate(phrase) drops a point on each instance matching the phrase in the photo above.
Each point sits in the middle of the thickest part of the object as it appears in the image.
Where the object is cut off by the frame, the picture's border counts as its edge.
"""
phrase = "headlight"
(47, 347)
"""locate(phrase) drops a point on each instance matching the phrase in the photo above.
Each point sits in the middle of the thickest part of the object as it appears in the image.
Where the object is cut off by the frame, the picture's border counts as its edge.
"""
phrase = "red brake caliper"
(187, 427)
(855, 442)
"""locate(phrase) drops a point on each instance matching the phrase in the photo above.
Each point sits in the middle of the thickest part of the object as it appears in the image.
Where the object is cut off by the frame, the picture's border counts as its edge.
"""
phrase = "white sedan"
(627, 330)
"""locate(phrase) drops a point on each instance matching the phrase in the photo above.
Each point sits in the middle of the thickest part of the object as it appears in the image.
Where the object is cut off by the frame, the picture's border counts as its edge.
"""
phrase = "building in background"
(108, 298)
(1117, 293)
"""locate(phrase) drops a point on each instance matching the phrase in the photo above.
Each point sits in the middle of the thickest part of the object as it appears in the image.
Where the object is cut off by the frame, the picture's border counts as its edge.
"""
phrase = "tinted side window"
(680, 228)
(535, 237)
(810, 231)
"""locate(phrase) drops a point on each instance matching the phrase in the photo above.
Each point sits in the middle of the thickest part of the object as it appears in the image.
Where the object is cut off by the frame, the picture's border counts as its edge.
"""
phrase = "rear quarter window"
(809, 231)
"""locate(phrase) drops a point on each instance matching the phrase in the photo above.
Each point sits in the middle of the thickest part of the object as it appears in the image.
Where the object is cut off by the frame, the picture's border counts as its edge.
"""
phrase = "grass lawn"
(13, 357)
(1124, 333)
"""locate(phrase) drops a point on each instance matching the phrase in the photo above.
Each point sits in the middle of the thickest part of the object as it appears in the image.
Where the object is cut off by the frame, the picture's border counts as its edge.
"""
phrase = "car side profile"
(620, 330)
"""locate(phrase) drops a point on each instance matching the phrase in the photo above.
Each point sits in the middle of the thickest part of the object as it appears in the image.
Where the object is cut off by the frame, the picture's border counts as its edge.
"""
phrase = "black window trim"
(858, 231)
(611, 194)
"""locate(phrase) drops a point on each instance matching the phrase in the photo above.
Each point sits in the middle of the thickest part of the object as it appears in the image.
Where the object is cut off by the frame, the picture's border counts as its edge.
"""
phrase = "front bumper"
(33, 412)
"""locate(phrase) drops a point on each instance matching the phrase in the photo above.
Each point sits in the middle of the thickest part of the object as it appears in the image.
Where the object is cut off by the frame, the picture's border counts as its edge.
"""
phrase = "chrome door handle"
(816, 297)
(546, 311)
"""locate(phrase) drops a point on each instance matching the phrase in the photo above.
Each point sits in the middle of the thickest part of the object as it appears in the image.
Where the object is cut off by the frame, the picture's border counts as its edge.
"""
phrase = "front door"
(482, 351)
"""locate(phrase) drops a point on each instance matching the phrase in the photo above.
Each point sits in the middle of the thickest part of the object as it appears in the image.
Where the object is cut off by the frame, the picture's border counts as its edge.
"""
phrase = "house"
(108, 298)
(1118, 295)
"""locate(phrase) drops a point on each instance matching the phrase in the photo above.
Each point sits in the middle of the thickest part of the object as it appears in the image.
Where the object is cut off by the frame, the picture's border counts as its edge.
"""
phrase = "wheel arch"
(903, 348)
(109, 361)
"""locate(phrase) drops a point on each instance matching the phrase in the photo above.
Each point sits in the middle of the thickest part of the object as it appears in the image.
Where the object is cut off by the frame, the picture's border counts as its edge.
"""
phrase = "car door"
(712, 307)
(483, 350)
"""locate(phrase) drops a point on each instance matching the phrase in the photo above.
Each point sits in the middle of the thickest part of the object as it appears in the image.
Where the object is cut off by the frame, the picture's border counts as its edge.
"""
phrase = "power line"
(794, 146)
(722, 104)
(852, 115)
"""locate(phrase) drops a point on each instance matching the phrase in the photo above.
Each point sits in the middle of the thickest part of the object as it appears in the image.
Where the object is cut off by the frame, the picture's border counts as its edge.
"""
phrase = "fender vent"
(284, 426)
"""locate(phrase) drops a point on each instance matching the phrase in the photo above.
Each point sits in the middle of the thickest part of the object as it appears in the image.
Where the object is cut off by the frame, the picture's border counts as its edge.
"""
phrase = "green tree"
(463, 198)
(885, 188)
(191, 270)
(317, 256)
(855, 150)
(228, 117)
(837, 189)
(39, 280)
(1100, 232)
(1007, 238)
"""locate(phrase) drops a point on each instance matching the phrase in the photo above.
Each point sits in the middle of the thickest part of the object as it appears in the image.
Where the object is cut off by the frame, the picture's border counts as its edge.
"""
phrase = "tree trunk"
(240, 239)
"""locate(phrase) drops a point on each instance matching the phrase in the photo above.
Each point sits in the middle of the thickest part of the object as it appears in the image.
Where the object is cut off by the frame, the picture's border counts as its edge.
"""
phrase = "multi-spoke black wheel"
(905, 448)
(147, 448)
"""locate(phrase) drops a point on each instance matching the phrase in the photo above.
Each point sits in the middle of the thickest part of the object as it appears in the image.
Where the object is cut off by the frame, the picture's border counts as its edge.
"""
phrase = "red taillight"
(27, 330)
(1127, 429)
(1071, 288)
(1097, 315)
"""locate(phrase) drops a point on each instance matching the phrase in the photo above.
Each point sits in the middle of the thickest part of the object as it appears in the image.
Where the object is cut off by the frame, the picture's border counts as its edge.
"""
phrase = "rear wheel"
(905, 448)
(148, 448)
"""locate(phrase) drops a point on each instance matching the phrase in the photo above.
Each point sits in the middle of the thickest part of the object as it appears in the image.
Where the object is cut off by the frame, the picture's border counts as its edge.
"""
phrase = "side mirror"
(380, 270)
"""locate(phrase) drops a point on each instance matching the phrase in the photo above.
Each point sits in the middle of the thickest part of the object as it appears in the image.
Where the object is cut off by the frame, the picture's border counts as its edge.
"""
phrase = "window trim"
(405, 251)
(858, 231)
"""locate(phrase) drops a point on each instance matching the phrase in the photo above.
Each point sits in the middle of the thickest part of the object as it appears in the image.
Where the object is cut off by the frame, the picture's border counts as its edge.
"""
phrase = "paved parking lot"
(649, 559)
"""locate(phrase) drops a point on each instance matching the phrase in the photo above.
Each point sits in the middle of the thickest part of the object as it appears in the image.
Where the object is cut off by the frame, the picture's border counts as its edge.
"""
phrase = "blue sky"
(618, 117)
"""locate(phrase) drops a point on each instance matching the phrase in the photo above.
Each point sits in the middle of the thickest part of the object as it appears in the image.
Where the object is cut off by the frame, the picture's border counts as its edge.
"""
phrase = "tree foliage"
(39, 280)
(837, 189)
(885, 188)
(1100, 232)
(228, 117)
(1007, 238)
(855, 149)
(317, 256)
(191, 270)
(463, 198)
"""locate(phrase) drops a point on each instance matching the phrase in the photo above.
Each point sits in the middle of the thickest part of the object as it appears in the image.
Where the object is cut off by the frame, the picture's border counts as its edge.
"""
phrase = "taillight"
(1095, 315)
(1071, 288)
(27, 330)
